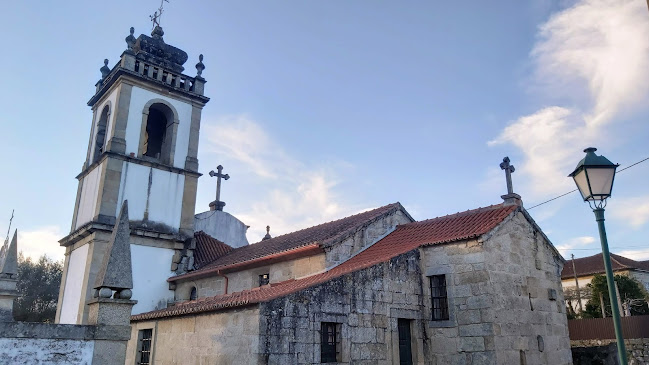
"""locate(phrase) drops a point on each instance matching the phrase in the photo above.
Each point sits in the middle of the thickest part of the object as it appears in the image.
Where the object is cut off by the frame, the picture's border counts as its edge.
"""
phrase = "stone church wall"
(467, 336)
(361, 239)
(230, 337)
(529, 318)
(248, 279)
(365, 305)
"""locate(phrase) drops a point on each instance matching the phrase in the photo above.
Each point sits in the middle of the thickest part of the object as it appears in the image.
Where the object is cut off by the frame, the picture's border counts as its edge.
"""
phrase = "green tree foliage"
(38, 285)
(631, 292)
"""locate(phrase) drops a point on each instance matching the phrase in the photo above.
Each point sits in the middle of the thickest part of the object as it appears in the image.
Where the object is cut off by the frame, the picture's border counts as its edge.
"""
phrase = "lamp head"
(594, 177)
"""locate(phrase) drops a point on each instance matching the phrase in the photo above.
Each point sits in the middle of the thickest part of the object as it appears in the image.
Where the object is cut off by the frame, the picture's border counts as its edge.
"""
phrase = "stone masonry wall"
(361, 239)
(54, 344)
(230, 337)
(637, 351)
(467, 337)
(529, 319)
(46, 351)
(365, 305)
(248, 279)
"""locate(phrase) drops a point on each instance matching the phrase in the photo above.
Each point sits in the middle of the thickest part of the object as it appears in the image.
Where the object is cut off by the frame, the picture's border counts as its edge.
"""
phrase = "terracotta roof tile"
(592, 265)
(322, 234)
(208, 249)
(405, 238)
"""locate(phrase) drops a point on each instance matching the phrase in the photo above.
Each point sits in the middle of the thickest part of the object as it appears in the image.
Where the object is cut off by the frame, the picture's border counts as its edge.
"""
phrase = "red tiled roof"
(405, 238)
(321, 235)
(208, 249)
(592, 265)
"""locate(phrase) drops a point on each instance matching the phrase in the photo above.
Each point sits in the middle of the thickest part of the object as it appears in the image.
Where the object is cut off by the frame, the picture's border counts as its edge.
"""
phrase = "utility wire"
(572, 191)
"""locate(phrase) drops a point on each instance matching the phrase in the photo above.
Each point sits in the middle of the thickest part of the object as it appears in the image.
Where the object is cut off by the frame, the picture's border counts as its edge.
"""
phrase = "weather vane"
(157, 16)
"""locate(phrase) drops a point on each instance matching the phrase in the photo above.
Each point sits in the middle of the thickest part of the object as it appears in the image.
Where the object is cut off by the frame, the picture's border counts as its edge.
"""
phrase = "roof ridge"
(453, 215)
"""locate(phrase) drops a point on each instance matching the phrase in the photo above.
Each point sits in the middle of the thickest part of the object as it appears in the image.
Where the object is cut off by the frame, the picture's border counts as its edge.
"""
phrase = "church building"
(481, 286)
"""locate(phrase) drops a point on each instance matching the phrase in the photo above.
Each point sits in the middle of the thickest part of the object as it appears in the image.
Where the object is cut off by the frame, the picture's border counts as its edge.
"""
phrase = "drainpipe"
(227, 281)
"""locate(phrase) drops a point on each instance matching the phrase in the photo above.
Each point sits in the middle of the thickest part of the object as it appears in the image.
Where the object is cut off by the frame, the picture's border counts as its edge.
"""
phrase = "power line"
(572, 191)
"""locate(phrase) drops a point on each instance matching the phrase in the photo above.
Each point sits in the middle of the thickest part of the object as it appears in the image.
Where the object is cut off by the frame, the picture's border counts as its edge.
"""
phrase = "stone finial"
(130, 40)
(116, 272)
(104, 70)
(200, 66)
(157, 33)
(267, 236)
(9, 258)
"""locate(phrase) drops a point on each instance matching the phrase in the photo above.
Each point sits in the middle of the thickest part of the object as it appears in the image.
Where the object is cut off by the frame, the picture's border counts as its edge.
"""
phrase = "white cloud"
(41, 241)
(577, 242)
(594, 55)
(296, 195)
(599, 45)
(638, 255)
(634, 211)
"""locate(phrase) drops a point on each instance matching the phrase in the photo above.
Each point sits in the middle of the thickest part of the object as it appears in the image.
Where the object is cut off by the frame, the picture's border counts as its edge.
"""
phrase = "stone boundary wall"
(585, 351)
(46, 343)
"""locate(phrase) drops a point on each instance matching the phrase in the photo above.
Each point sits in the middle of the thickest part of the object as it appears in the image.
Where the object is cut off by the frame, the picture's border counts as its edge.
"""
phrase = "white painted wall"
(151, 268)
(164, 198)
(88, 198)
(110, 100)
(223, 226)
(139, 98)
(165, 203)
(73, 283)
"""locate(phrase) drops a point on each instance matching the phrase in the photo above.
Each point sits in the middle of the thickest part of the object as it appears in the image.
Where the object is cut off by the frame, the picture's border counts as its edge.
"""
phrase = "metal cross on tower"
(156, 17)
(218, 204)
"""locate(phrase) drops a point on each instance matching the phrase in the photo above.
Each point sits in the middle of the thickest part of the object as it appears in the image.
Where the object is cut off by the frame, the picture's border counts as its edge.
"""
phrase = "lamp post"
(594, 177)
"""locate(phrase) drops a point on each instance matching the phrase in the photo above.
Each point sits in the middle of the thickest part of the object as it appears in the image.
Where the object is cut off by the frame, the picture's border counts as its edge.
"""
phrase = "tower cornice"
(140, 161)
(189, 87)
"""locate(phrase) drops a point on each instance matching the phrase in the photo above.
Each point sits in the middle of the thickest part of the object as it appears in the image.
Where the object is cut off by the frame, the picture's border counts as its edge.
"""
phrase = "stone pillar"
(8, 281)
(110, 308)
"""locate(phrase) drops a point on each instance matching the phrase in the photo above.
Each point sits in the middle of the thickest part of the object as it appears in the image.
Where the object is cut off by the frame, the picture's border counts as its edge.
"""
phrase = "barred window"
(144, 346)
(330, 342)
(439, 299)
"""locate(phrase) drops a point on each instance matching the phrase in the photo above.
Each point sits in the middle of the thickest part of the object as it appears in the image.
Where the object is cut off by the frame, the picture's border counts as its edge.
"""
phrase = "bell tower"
(143, 148)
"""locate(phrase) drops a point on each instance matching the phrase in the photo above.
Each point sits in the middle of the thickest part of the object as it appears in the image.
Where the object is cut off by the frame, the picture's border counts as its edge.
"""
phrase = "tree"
(632, 296)
(38, 286)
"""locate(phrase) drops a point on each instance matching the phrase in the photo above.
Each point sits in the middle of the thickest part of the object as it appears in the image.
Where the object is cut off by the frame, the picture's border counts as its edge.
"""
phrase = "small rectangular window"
(144, 346)
(439, 299)
(330, 342)
(264, 279)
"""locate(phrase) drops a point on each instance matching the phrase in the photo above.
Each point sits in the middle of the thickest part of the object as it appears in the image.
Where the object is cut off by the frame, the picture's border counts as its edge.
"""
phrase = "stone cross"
(219, 175)
(508, 174)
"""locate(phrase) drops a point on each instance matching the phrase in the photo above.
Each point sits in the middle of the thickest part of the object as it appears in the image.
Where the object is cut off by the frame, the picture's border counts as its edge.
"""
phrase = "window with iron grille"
(144, 346)
(330, 342)
(264, 279)
(439, 299)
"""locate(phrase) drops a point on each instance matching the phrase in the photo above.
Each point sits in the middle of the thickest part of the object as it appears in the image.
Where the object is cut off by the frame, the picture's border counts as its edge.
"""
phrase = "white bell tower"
(143, 148)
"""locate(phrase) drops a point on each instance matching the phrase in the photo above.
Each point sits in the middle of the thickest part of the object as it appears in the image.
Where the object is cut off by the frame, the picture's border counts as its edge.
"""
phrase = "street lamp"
(594, 177)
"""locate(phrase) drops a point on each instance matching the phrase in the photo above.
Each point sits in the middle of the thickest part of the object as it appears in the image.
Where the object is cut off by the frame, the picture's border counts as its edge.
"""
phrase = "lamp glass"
(601, 182)
(582, 184)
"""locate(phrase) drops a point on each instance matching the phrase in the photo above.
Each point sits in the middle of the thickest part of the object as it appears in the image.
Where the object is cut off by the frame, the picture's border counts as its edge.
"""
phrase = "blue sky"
(322, 109)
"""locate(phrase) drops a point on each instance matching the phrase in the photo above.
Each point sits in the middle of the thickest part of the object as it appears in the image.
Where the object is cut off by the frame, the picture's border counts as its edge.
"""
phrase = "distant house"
(588, 267)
